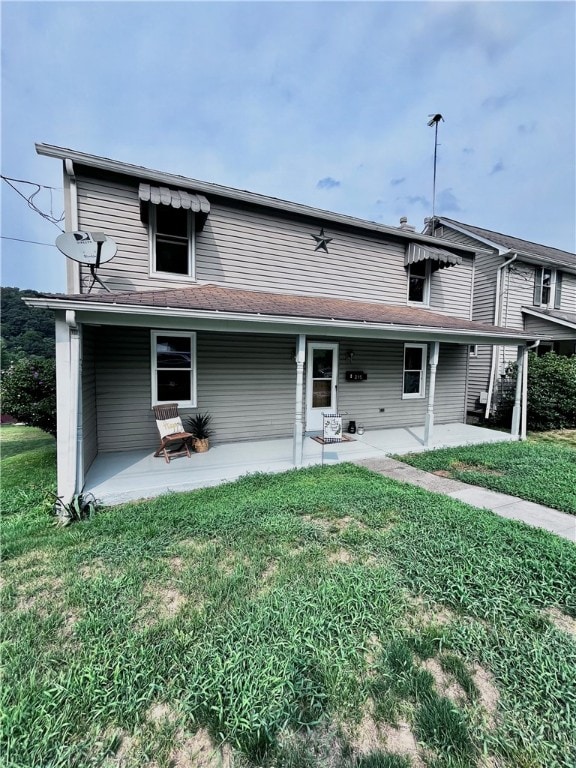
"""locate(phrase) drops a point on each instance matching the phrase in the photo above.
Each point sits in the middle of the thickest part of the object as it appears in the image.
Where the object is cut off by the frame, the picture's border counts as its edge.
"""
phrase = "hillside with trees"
(25, 332)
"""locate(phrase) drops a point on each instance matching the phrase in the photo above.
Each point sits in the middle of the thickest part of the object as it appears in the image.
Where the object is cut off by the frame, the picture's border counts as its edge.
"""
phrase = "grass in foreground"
(325, 617)
(541, 470)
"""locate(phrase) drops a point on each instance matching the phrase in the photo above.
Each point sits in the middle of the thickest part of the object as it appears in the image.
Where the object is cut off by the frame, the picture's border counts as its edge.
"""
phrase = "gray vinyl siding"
(244, 246)
(568, 296)
(456, 237)
(450, 399)
(485, 277)
(123, 390)
(451, 289)
(478, 377)
(247, 384)
(383, 362)
(89, 421)
(518, 292)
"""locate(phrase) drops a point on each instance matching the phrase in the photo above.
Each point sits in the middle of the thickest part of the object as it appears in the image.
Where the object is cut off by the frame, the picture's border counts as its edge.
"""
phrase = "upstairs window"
(547, 287)
(174, 368)
(414, 371)
(171, 241)
(419, 282)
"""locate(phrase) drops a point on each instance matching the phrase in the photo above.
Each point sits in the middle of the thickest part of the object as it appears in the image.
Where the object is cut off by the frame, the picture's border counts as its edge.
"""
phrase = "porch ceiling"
(214, 307)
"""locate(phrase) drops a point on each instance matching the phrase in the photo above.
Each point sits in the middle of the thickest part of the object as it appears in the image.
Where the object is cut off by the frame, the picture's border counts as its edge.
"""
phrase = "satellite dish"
(92, 248)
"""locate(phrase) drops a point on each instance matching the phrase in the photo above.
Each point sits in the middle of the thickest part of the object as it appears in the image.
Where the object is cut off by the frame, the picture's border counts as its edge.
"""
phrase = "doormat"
(331, 441)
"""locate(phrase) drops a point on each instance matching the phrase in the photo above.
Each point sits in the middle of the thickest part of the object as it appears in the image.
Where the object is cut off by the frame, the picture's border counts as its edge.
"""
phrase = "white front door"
(321, 383)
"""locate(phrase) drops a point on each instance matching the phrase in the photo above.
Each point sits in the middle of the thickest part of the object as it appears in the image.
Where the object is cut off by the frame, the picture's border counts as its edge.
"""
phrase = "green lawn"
(324, 617)
(540, 469)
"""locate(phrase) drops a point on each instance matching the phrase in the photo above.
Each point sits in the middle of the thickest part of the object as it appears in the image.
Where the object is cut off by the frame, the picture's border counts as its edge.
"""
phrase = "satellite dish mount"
(90, 248)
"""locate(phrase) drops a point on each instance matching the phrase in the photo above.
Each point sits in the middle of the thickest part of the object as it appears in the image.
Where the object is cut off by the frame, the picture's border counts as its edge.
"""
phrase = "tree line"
(27, 361)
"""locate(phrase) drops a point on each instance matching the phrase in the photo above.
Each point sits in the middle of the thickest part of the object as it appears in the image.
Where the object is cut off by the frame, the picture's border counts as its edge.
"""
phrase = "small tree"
(28, 392)
(551, 392)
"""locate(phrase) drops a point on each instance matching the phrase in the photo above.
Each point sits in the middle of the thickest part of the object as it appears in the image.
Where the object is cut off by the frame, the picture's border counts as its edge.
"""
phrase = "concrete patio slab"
(123, 476)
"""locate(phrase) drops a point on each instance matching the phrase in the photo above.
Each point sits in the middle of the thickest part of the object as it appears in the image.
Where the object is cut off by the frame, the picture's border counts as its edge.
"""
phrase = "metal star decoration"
(322, 241)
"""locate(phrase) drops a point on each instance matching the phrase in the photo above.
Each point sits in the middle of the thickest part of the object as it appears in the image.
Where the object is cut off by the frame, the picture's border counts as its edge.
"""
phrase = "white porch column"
(299, 415)
(429, 424)
(524, 416)
(67, 384)
(516, 411)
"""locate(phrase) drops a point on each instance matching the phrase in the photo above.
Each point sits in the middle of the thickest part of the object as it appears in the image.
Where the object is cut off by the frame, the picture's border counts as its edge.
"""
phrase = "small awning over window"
(176, 198)
(416, 252)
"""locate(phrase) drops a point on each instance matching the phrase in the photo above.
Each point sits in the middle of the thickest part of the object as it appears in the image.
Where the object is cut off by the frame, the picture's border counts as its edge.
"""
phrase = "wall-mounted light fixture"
(350, 355)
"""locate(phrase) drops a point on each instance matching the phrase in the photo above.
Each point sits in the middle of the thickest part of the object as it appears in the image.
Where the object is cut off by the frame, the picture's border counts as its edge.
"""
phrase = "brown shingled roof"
(216, 298)
(545, 253)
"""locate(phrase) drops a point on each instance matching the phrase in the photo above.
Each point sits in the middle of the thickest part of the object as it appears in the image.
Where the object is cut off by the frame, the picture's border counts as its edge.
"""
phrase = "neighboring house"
(263, 312)
(520, 285)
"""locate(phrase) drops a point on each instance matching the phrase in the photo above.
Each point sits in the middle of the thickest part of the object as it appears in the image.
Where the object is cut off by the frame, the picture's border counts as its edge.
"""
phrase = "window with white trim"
(172, 236)
(419, 282)
(473, 350)
(414, 378)
(547, 287)
(173, 367)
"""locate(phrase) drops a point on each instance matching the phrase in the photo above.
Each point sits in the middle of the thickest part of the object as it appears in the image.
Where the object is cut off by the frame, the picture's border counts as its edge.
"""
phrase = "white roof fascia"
(281, 322)
(254, 198)
(548, 318)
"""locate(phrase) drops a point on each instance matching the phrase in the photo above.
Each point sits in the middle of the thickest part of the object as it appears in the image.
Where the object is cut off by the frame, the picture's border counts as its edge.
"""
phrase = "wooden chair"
(171, 431)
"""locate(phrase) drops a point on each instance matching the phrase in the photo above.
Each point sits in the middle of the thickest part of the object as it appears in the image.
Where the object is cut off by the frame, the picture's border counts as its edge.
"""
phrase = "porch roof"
(560, 317)
(218, 303)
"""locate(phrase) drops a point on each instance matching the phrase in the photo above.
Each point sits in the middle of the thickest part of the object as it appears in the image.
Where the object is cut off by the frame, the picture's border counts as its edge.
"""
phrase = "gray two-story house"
(517, 284)
(265, 313)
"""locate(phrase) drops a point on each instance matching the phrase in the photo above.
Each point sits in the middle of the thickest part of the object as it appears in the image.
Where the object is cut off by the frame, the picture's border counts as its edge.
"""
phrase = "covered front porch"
(118, 477)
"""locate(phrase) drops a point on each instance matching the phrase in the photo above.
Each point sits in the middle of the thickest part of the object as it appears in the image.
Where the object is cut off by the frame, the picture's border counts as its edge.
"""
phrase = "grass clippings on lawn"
(324, 618)
(543, 471)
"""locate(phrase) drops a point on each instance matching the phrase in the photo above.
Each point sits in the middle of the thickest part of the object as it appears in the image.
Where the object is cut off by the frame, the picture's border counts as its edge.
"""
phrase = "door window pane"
(322, 393)
(322, 364)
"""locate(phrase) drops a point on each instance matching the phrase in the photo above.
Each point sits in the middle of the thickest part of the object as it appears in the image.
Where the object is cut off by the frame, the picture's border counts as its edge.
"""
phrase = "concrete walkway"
(506, 506)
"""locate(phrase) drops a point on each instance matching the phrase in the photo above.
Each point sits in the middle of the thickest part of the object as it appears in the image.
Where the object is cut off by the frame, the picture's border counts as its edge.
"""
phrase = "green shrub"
(28, 392)
(551, 392)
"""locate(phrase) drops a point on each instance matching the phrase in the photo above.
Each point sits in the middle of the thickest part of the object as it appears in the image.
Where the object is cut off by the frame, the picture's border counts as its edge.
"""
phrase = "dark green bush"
(551, 392)
(28, 392)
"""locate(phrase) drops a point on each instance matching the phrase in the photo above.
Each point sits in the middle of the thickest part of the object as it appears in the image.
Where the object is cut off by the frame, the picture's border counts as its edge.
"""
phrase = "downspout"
(525, 389)
(75, 431)
(71, 210)
(495, 348)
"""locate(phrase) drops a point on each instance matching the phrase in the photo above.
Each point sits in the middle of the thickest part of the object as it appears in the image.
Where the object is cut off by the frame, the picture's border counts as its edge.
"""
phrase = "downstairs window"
(174, 368)
(414, 371)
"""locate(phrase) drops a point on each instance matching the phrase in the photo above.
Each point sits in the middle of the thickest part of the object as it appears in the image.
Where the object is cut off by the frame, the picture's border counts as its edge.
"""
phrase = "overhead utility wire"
(30, 199)
(21, 240)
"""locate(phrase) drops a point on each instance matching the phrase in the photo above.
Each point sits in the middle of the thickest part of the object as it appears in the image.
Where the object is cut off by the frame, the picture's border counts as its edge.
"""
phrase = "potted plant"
(199, 427)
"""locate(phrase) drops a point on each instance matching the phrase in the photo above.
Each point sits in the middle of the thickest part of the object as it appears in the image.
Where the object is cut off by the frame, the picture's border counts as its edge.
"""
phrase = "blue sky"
(323, 103)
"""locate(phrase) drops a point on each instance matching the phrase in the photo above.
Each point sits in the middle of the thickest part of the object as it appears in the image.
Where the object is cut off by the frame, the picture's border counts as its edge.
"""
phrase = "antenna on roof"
(91, 248)
(435, 119)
